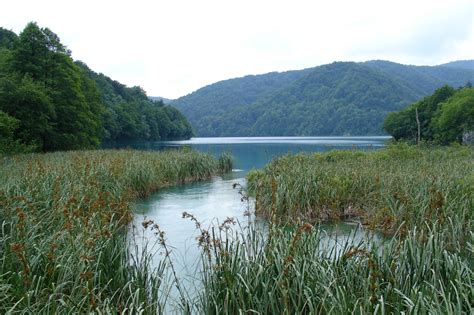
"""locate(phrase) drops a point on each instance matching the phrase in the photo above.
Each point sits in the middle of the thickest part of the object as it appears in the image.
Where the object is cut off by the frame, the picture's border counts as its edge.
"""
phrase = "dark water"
(213, 201)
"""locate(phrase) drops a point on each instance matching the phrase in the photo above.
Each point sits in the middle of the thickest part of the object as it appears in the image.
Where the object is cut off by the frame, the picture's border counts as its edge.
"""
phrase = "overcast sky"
(171, 48)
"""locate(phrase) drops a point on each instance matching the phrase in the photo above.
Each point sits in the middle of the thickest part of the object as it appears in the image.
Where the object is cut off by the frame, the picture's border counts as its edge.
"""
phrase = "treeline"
(48, 102)
(130, 114)
(342, 98)
(446, 116)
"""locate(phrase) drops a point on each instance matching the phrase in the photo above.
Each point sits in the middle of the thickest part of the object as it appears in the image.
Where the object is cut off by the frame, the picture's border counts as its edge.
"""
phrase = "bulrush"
(63, 228)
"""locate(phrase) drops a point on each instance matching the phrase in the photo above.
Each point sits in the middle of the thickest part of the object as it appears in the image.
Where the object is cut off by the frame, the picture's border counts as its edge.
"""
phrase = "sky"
(172, 48)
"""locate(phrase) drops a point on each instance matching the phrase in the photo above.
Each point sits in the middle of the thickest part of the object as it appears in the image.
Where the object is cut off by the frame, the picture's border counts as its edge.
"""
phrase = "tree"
(28, 102)
(405, 123)
(8, 143)
(7, 38)
(456, 117)
(54, 103)
(445, 117)
(59, 106)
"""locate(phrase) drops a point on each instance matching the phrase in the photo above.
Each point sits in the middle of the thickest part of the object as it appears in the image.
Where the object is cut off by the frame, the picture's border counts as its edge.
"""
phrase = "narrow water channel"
(212, 201)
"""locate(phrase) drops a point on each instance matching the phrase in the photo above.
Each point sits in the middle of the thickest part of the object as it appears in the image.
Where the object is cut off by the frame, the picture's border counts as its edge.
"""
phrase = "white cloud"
(171, 48)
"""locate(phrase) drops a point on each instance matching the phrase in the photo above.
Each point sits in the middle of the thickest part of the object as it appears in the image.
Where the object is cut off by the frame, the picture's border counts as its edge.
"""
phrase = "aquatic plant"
(294, 271)
(63, 237)
(397, 186)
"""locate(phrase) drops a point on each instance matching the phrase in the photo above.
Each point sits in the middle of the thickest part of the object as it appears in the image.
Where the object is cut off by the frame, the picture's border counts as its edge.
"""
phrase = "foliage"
(336, 99)
(7, 38)
(295, 271)
(130, 115)
(63, 244)
(8, 145)
(62, 105)
(43, 89)
(399, 185)
(444, 117)
(455, 117)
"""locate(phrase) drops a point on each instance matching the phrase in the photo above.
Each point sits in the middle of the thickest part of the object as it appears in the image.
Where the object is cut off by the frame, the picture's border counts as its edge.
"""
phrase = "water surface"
(213, 201)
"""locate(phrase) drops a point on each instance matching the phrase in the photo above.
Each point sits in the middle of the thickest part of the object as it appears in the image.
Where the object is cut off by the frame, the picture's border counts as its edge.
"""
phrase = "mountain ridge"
(214, 111)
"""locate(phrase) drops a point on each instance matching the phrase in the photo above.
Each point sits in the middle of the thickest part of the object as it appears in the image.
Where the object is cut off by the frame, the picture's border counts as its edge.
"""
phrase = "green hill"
(342, 98)
(49, 102)
(460, 64)
(131, 115)
(204, 107)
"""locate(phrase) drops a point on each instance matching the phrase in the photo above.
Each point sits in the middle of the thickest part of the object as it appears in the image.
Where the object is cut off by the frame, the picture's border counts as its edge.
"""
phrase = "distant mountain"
(204, 107)
(461, 64)
(342, 98)
(424, 79)
(165, 100)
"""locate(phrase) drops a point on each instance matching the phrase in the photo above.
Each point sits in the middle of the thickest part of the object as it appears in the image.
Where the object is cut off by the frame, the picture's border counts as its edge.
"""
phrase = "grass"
(64, 245)
(391, 190)
(63, 220)
(294, 272)
(421, 198)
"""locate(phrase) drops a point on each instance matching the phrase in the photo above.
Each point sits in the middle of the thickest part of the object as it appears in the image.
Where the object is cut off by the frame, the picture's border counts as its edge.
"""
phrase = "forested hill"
(342, 98)
(205, 107)
(49, 102)
(461, 64)
(130, 114)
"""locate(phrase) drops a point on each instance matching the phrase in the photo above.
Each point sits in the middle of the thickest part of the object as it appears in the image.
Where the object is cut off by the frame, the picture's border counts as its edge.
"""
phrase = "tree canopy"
(51, 103)
(342, 98)
(444, 117)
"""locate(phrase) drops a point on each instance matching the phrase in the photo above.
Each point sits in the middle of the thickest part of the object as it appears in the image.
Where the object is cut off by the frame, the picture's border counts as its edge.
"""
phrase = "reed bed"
(392, 190)
(293, 271)
(421, 198)
(63, 220)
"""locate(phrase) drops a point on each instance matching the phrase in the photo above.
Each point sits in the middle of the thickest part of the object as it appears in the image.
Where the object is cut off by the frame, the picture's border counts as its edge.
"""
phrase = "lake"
(212, 201)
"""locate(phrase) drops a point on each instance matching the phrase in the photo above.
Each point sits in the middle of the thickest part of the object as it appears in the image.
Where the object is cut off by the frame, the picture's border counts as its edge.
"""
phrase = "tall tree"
(444, 117)
(58, 105)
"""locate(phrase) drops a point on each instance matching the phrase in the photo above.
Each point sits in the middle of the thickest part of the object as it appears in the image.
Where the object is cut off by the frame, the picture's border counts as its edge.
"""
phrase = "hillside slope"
(342, 98)
(204, 105)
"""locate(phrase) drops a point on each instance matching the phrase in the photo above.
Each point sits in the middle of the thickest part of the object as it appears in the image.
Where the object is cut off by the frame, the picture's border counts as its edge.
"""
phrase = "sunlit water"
(213, 201)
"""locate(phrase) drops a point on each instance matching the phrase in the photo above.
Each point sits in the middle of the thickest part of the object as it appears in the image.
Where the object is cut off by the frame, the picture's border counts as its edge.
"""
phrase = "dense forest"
(49, 102)
(131, 115)
(446, 116)
(223, 105)
(342, 98)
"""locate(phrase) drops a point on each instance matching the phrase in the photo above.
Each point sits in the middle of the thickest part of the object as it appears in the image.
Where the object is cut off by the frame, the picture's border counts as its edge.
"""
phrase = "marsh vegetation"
(63, 237)
(65, 246)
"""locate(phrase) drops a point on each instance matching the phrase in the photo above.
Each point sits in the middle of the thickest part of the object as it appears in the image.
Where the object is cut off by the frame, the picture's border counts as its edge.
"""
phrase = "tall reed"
(63, 220)
(421, 197)
(293, 271)
(386, 188)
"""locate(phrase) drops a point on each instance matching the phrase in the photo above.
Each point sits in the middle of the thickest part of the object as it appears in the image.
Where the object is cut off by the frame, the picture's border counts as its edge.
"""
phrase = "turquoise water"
(213, 201)
(255, 152)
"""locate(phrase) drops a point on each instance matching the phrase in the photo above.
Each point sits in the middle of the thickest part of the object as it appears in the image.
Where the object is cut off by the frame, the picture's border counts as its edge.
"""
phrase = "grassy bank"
(422, 197)
(296, 273)
(393, 189)
(62, 216)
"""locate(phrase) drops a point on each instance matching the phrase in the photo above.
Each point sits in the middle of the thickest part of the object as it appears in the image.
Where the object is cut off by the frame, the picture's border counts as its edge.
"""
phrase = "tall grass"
(63, 220)
(398, 186)
(422, 197)
(64, 245)
(292, 271)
